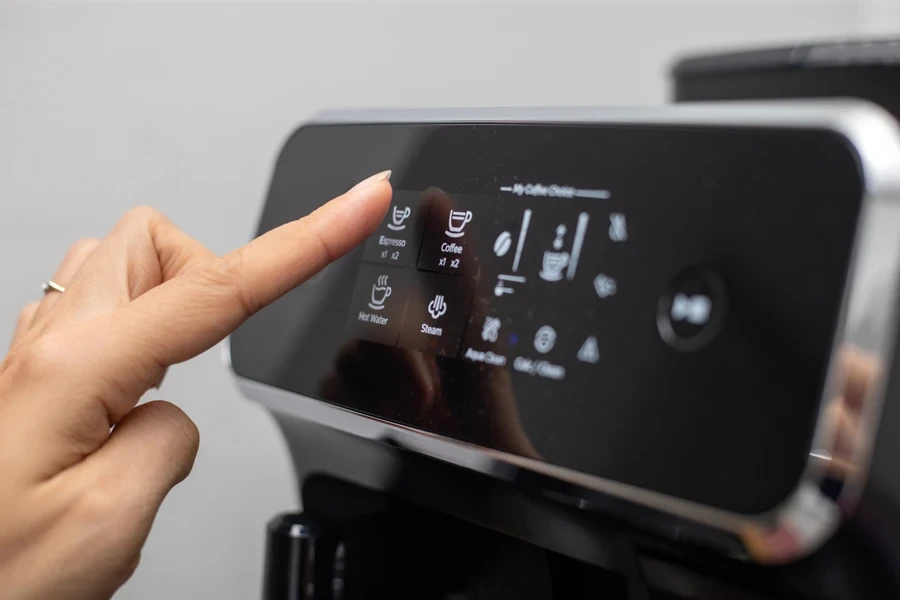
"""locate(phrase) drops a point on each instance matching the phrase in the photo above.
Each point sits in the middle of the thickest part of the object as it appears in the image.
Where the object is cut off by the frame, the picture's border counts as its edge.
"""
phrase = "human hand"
(82, 470)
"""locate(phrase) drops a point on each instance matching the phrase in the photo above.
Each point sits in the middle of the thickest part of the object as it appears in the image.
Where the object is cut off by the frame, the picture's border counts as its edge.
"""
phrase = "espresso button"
(397, 240)
(692, 309)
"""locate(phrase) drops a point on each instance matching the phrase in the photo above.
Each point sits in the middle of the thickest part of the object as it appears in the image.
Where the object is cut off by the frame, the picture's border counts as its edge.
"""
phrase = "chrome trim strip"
(793, 114)
(808, 517)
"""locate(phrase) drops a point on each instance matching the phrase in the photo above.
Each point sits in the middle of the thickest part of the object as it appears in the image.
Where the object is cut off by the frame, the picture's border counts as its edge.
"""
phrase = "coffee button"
(692, 309)
(451, 242)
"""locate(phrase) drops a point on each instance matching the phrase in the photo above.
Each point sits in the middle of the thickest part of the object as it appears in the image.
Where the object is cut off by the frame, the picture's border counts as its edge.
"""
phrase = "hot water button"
(379, 298)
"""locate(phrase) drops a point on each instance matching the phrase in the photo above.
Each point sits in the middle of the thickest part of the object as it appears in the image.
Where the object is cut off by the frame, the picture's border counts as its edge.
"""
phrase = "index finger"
(195, 310)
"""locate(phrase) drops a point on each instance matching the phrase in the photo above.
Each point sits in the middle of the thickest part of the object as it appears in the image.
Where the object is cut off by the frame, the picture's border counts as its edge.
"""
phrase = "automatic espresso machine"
(625, 354)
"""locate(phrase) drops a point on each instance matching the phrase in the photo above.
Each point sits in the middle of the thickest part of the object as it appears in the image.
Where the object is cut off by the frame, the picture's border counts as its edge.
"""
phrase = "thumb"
(153, 446)
(113, 496)
(149, 452)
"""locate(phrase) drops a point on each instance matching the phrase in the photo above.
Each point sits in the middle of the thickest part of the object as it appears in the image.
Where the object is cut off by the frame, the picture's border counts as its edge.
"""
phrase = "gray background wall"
(183, 106)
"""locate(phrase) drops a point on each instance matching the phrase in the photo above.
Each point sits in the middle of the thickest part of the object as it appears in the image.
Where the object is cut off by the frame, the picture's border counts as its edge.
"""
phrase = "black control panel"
(651, 305)
(487, 260)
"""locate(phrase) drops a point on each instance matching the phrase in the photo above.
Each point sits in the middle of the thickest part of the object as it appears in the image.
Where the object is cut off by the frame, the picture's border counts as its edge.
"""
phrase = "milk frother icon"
(398, 216)
(555, 260)
(558, 260)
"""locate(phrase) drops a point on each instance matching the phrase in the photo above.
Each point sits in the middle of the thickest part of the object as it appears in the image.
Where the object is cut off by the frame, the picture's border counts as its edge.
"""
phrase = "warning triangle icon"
(589, 352)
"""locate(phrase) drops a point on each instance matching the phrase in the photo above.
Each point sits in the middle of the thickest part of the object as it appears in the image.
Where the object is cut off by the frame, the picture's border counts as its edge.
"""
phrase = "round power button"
(692, 309)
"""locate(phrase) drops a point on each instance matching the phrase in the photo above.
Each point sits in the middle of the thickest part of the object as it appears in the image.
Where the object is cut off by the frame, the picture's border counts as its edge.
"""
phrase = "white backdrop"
(183, 106)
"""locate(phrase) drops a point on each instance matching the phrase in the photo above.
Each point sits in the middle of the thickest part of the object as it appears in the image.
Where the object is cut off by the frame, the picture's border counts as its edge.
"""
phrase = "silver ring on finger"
(51, 286)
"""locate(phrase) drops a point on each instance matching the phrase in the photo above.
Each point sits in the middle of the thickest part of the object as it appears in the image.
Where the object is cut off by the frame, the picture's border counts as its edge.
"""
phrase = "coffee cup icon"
(553, 265)
(398, 216)
(457, 222)
(381, 291)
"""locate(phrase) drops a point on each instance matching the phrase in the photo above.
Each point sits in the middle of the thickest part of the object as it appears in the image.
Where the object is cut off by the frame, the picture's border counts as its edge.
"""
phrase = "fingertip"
(376, 178)
(372, 200)
(347, 220)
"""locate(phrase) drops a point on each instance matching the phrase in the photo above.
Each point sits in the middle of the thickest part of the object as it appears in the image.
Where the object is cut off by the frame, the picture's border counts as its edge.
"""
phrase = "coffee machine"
(626, 354)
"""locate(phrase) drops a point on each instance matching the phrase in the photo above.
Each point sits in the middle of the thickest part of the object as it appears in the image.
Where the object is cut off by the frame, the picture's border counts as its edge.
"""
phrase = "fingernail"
(383, 176)
(159, 381)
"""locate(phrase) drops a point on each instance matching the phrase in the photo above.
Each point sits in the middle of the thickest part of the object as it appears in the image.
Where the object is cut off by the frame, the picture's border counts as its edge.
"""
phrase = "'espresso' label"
(394, 242)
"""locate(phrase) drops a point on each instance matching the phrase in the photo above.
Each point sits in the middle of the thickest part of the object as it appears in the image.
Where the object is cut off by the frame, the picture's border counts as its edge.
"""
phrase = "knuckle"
(47, 354)
(83, 246)
(26, 315)
(141, 216)
(231, 266)
(227, 274)
(129, 566)
(328, 250)
(97, 504)
(314, 233)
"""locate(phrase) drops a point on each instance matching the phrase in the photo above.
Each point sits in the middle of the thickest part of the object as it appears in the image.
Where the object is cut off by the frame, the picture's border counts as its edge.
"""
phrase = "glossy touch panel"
(652, 305)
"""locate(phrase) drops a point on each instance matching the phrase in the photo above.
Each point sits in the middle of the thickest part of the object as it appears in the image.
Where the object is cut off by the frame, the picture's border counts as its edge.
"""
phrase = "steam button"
(436, 314)
(692, 309)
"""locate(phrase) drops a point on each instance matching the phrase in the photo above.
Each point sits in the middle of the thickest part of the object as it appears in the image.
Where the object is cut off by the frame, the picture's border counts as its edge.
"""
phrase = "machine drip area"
(354, 543)
(382, 547)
